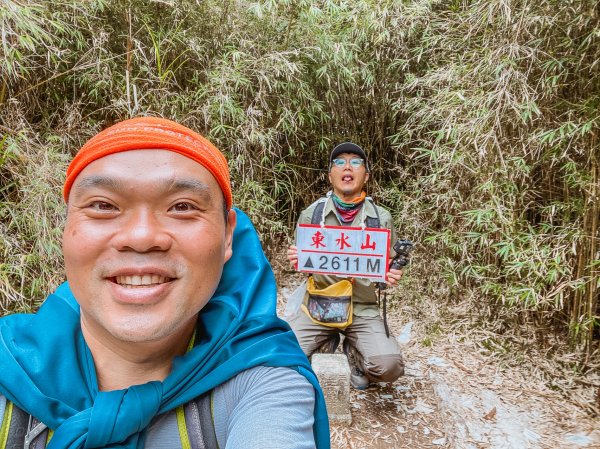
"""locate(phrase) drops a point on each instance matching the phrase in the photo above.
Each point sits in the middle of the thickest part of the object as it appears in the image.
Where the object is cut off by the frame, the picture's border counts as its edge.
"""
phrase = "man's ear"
(329, 176)
(366, 176)
(229, 228)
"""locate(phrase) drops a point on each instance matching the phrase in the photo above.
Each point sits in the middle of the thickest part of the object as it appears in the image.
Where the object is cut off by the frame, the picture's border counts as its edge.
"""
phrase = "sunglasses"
(354, 163)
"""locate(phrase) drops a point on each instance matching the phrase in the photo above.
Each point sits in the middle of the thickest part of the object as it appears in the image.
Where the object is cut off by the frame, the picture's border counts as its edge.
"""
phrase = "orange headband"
(150, 133)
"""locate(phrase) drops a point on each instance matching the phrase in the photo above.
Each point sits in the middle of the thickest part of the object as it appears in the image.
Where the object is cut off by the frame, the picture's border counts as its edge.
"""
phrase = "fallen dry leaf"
(491, 415)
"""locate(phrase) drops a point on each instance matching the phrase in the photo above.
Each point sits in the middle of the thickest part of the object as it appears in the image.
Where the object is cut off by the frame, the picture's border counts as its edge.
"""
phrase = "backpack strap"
(200, 423)
(373, 222)
(3, 425)
(317, 214)
(14, 427)
(21, 430)
(37, 434)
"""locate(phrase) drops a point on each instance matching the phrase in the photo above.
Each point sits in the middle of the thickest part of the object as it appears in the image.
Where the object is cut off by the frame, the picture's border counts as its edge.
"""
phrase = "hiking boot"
(358, 379)
(330, 345)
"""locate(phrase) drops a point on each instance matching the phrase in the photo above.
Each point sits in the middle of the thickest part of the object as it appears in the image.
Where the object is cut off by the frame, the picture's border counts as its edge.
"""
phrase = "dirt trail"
(453, 396)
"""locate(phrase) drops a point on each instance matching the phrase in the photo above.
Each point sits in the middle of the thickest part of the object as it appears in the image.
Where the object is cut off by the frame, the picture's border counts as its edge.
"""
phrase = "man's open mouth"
(347, 178)
(141, 280)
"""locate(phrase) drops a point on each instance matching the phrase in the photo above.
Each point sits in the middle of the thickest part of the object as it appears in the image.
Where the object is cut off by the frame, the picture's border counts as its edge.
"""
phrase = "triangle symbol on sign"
(308, 263)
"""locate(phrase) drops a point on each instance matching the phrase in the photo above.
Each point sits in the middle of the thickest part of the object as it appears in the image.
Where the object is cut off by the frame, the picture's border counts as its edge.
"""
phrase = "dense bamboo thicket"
(481, 118)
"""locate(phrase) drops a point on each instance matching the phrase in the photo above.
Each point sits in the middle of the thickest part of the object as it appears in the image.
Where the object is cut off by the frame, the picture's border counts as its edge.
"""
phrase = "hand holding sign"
(292, 255)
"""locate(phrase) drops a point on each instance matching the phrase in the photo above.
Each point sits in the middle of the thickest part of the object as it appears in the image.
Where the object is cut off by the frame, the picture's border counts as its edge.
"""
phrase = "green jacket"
(364, 297)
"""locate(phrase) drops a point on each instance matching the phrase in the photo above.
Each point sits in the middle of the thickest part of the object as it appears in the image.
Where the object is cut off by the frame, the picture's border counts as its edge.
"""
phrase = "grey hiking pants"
(377, 355)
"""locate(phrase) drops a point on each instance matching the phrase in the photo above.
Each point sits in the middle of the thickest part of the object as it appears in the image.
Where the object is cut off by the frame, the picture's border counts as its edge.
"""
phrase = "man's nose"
(142, 231)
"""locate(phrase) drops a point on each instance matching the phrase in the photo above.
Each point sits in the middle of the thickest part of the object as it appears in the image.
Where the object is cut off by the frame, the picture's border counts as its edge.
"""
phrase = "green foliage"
(480, 117)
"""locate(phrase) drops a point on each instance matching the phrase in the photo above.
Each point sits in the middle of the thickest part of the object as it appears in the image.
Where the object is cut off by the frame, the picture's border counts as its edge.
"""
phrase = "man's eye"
(102, 206)
(182, 207)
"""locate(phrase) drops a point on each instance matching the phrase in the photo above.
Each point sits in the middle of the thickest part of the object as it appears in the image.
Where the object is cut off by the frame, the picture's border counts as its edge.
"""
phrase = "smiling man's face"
(144, 244)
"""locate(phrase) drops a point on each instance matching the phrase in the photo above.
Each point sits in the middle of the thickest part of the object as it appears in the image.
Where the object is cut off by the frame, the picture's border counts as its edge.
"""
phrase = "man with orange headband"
(165, 334)
(373, 353)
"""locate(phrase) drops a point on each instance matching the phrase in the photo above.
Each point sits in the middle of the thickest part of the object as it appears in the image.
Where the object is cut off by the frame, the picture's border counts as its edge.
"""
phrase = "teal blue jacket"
(46, 367)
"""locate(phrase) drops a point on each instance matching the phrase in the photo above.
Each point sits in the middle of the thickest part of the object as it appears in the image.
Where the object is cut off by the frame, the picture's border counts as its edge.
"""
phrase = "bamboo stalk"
(593, 237)
(128, 63)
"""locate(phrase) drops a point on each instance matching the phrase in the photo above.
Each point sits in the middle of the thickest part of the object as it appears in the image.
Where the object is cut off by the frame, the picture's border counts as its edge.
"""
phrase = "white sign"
(343, 251)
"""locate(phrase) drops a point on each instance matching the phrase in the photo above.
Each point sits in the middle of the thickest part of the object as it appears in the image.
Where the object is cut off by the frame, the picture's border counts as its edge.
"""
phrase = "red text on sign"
(368, 244)
(343, 241)
(317, 239)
